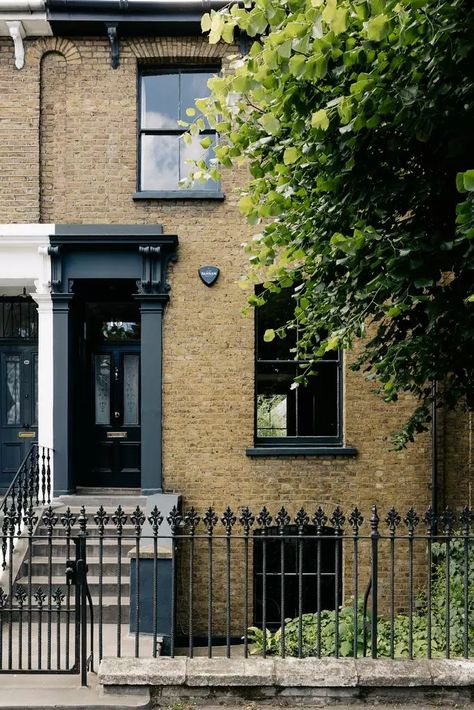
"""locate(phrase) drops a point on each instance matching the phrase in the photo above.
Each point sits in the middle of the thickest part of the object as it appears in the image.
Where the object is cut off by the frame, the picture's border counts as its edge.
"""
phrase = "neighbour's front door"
(115, 440)
(18, 407)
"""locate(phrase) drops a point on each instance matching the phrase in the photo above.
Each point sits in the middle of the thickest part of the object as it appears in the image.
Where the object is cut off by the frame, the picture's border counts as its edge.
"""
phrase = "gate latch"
(76, 571)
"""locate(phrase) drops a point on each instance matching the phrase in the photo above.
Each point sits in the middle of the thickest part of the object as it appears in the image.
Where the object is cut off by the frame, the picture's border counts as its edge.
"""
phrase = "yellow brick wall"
(71, 108)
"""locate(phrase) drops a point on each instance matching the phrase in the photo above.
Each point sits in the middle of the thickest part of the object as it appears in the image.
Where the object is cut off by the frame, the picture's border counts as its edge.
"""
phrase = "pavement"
(20, 692)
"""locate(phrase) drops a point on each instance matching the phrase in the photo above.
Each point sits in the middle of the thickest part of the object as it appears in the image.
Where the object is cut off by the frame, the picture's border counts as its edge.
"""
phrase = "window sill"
(301, 451)
(178, 195)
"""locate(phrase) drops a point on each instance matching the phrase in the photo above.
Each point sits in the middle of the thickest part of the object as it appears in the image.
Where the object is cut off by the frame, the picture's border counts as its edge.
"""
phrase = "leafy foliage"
(456, 587)
(355, 120)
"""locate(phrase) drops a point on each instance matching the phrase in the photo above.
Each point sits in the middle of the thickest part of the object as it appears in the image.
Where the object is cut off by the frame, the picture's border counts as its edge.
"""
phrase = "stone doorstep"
(286, 673)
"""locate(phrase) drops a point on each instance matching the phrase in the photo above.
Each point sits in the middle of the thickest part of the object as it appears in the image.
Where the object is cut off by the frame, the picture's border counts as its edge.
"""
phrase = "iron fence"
(138, 583)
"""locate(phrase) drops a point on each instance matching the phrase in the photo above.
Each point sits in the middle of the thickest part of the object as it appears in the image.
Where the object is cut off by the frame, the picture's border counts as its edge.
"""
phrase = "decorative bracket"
(151, 268)
(17, 33)
(112, 34)
(43, 283)
(56, 267)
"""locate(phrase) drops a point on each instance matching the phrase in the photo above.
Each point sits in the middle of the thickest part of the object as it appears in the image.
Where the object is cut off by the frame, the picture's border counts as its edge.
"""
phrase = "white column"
(42, 297)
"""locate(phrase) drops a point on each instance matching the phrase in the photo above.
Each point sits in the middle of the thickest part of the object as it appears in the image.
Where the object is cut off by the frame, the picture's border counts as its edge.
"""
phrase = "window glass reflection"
(164, 155)
(160, 101)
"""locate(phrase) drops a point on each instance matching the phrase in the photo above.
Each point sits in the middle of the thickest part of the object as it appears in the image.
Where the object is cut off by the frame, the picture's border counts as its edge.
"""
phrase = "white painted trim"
(25, 262)
(28, 6)
(26, 230)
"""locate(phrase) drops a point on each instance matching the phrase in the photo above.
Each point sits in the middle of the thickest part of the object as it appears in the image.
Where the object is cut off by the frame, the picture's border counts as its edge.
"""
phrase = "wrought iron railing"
(185, 583)
(29, 489)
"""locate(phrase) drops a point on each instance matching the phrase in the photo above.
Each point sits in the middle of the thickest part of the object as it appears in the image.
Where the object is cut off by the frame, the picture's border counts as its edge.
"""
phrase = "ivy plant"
(355, 119)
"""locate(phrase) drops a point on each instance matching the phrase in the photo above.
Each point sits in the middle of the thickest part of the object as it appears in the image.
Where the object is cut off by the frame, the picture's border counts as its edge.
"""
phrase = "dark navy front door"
(115, 430)
(18, 406)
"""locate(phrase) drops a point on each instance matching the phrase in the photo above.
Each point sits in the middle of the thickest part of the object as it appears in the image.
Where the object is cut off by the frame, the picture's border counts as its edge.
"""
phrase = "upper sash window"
(165, 94)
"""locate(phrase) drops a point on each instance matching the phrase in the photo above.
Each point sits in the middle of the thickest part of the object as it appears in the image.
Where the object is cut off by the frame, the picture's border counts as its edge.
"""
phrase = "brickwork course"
(68, 154)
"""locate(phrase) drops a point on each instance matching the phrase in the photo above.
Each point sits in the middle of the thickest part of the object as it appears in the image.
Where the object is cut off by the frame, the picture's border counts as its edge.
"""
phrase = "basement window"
(317, 580)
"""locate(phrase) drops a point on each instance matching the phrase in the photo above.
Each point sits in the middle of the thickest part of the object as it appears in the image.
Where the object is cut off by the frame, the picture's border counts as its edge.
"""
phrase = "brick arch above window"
(178, 50)
(59, 45)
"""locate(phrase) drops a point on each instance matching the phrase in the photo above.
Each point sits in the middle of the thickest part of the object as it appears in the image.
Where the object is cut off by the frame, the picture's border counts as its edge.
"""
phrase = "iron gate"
(48, 629)
(43, 626)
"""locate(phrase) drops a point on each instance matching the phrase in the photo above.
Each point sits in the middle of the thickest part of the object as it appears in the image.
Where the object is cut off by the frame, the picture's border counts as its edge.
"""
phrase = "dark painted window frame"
(299, 445)
(309, 579)
(194, 194)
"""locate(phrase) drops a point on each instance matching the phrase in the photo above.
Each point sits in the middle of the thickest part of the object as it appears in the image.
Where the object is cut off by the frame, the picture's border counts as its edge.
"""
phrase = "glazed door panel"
(18, 407)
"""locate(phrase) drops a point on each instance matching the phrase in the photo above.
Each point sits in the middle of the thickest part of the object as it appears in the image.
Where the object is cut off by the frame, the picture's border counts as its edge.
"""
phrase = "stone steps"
(60, 551)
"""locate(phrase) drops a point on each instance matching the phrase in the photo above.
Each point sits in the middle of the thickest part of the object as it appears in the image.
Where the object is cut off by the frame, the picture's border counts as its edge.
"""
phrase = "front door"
(18, 407)
(115, 432)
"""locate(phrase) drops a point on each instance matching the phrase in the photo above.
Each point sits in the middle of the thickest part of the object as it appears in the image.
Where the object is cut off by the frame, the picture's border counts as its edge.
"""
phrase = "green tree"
(356, 121)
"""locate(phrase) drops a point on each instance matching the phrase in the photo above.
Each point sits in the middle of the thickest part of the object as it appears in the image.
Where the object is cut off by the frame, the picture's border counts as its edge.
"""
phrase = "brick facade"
(68, 155)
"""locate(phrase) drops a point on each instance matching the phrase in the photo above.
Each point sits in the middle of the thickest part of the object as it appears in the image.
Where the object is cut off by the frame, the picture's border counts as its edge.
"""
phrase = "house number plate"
(117, 434)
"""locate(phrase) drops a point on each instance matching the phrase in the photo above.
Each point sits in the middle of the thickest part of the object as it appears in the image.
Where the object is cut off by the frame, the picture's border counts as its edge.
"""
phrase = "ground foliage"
(355, 118)
(458, 591)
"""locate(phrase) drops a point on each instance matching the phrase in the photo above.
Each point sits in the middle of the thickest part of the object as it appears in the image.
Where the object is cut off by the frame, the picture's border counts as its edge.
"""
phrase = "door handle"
(117, 415)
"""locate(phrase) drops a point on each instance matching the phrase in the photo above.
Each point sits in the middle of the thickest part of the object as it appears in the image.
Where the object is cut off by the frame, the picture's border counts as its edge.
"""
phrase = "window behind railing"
(281, 572)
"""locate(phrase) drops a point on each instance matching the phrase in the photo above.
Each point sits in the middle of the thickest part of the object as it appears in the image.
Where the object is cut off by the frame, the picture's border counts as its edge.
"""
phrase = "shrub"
(327, 623)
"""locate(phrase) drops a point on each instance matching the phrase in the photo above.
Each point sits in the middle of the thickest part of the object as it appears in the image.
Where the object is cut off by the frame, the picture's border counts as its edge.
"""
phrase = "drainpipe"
(434, 452)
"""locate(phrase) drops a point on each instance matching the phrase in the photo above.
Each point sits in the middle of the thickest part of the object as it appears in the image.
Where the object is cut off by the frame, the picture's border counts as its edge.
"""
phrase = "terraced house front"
(130, 378)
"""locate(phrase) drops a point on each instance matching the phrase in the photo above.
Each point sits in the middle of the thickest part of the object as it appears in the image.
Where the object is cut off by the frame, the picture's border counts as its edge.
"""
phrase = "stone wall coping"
(286, 672)
(147, 552)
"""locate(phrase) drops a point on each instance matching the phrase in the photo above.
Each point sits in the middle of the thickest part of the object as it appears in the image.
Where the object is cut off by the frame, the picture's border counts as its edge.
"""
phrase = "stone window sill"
(178, 195)
(301, 451)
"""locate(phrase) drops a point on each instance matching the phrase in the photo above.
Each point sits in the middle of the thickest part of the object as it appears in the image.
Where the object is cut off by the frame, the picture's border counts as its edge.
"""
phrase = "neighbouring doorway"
(18, 383)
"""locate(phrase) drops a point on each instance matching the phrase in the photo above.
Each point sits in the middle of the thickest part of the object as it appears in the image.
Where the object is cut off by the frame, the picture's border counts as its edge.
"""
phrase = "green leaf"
(228, 33)
(206, 142)
(460, 182)
(270, 123)
(190, 111)
(468, 179)
(297, 64)
(331, 344)
(329, 11)
(257, 22)
(246, 204)
(206, 22)
(290, 155)
(378, 28)
(339, 23)
(217, 26)
(269, 335)
(320, 119)
(344, 110)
